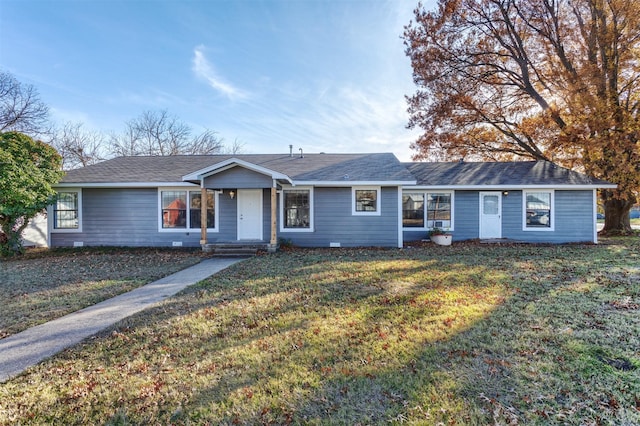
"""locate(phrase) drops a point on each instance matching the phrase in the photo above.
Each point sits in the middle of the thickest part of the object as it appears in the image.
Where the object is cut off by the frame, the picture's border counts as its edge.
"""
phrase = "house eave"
(342, 183)
(121, 184)
(511, 187)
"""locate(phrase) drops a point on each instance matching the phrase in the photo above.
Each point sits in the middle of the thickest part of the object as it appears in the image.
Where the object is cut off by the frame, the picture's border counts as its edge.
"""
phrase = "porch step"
(234, 252)
(235, 249)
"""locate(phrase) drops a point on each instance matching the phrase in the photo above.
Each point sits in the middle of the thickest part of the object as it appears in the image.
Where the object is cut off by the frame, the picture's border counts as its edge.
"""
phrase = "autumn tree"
(21, 109)
(159, 133)
(28, 171)
(553, 80)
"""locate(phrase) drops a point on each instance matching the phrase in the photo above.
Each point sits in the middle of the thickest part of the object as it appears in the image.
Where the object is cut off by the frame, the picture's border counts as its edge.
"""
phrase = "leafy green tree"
(28, 169)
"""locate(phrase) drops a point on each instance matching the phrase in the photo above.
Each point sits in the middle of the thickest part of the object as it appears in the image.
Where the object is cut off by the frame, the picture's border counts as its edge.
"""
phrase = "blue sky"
(325, 76)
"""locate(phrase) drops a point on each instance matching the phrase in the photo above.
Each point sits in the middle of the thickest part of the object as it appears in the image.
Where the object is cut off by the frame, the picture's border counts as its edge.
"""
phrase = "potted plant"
(440, 236)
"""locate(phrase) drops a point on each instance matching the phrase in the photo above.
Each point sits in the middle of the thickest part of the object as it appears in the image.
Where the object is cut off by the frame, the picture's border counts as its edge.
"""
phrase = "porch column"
(274, 236)
(203, 215)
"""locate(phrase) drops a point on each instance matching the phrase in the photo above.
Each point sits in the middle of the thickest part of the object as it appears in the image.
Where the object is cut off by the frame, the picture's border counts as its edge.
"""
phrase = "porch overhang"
(199, 175)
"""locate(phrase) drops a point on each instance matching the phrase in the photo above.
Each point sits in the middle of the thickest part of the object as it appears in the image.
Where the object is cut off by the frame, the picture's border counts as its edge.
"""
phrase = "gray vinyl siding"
(122, 217)
(334, 222)
(130, 217)
(238, 177)
(227, 218)
(465, 219)
(467, 215)
(574, 218)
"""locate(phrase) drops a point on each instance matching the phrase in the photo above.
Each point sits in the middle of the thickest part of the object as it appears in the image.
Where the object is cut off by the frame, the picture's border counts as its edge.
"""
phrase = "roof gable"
(230, 163)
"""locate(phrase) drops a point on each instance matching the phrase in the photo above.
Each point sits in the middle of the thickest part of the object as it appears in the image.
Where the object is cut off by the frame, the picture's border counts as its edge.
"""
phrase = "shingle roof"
(523, 173)
(379, 167)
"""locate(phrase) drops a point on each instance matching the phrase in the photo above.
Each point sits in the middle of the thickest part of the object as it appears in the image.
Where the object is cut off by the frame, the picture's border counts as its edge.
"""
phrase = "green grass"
(44, 285)
(468, 334)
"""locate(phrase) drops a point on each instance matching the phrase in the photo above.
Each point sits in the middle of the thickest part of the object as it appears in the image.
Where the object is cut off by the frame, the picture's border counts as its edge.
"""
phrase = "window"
(296, 207)
(366, 201)
(538, 210)
(174, 209)
(426, 210)
(66, 211)
(490, 204)
(195, 208)
(413, 210)
(439, 210)
(181, 209)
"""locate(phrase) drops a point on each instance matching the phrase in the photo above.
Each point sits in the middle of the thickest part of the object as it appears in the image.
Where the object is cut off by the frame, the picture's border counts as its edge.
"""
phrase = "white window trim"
(50, 214)
(366, 188)
(425, 192)
(216, 196)
(552, 207)
(311, 227)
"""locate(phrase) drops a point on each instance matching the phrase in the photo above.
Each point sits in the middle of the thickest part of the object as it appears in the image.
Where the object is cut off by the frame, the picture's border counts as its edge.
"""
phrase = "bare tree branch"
(21, 109)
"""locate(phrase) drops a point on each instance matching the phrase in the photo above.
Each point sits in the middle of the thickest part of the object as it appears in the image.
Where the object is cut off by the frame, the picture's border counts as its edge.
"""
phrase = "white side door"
(490, 215)
(249, 214)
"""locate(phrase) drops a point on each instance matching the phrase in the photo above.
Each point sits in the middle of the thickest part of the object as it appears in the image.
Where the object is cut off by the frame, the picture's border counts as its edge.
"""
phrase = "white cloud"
(329, 119)
(204, 70)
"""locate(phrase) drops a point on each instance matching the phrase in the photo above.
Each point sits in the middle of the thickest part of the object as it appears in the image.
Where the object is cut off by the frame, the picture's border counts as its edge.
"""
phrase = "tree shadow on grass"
(471, 336)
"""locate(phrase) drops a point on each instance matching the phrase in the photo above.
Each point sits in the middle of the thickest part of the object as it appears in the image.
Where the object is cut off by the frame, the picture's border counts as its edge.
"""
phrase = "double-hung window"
(296, 207)
(366, 201)
(427, 210)
(195, 209)
(181, 209)
(67, 211)
(538, 210)
(413, 210)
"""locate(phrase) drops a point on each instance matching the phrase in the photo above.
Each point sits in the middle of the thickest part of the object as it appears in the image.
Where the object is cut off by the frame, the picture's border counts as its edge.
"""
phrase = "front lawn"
(467, 334)
(47, 284)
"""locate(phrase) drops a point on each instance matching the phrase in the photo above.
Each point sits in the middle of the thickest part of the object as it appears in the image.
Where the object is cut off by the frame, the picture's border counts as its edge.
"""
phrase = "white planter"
(443, 240)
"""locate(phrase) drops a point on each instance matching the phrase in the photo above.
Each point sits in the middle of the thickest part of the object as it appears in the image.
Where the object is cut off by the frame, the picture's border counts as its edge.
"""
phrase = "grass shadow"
(526, 334)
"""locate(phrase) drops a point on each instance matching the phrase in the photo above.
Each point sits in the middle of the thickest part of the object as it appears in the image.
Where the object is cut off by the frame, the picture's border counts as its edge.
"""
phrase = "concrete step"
(234, 251)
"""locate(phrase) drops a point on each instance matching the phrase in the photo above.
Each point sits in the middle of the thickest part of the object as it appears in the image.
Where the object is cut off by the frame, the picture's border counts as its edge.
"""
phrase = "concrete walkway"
(23, 350)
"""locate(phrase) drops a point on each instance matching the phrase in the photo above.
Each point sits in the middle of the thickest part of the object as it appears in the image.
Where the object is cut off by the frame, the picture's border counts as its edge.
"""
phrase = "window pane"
(194, 209)
(539, 209)
(366, 200)
(490, 204)
(174, 209)
(439, 210)
(65, 213)
(297, 212)
(413, 210)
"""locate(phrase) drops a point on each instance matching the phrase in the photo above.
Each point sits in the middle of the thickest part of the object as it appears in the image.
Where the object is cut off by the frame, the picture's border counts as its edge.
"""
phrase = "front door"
(249, 214)
(490, 215)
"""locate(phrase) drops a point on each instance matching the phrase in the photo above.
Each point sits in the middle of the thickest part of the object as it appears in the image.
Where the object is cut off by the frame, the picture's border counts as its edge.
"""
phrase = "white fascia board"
(508, 187)
(230, 163)
(123, 184)
(353, 183)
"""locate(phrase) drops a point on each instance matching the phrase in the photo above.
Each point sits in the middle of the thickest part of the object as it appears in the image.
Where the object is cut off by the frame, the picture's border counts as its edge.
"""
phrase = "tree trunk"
(616, 216)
